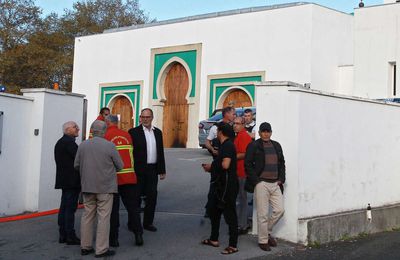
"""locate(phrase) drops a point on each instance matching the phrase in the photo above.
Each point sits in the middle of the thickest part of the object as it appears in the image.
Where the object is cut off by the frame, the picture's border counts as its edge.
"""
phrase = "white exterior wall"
(346, 80)
(376, 43)
(30, 158)
(278, 41)
(331, 47)
(14, 152)
(341, 153)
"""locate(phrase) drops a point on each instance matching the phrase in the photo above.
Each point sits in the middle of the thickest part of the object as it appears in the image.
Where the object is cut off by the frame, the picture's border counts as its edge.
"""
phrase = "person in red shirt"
(242, 139)
(104, 112)
(128, 189)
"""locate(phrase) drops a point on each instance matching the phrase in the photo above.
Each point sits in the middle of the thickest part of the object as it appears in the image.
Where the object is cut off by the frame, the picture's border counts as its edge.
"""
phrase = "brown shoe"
(272, 241)
(264, 247)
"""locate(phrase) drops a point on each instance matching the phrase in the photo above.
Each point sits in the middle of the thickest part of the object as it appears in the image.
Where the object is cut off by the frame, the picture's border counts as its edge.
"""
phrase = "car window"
(239, 112)
(216, 117)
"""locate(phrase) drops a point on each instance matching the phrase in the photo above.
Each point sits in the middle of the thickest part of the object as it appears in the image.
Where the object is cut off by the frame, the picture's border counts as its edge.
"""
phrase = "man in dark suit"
(148, 151)
(67, 179)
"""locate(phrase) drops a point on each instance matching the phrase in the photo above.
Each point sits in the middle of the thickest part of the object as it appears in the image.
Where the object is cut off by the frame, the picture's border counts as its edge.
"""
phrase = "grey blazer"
(98, 162)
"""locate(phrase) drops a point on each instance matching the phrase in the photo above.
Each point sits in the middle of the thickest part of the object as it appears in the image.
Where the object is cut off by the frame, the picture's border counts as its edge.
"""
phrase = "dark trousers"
(229, 212)
(66, 214)
(148, 181)
(129, 194)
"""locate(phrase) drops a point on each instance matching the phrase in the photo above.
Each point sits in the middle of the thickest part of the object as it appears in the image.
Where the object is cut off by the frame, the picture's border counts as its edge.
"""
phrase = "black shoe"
(62, 240)
(139, 239)
(150, 228)
(73, 241)
(87, 251)
(114, 243)
(106, 253)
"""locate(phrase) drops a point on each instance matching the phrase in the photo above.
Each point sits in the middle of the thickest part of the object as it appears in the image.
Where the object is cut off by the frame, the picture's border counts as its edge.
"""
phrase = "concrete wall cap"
(51, 91)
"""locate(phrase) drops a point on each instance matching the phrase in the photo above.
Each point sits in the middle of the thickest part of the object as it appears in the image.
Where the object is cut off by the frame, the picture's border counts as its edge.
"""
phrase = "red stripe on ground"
(32, 215)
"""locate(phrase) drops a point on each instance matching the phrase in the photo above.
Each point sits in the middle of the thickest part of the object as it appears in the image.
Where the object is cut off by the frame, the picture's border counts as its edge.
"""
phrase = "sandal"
(209, 242)
(230, 250)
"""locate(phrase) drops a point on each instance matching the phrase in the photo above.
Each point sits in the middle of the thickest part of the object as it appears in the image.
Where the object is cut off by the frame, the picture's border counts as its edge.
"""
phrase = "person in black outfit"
(68, 180)
(148, 151)
(225, 187)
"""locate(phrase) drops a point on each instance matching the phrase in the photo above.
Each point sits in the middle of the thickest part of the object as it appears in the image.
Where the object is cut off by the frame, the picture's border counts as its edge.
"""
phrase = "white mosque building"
(185, 68)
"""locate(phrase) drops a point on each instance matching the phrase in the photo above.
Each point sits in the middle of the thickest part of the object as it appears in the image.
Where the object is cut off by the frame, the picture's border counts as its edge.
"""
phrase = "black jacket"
(254, 162)
(140, 149)
(64, 154)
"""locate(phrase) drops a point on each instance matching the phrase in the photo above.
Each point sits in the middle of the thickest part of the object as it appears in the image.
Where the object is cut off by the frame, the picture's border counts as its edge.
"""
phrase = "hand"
(162, 176)
(214, 152)
(279, 182)
(206, 167)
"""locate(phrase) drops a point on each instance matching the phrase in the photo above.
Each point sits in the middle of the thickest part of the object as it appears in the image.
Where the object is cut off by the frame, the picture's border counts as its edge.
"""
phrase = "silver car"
(205, 125)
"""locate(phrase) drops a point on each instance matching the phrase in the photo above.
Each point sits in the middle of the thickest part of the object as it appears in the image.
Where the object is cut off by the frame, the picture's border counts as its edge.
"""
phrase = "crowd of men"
(110, 165)
(114, 164)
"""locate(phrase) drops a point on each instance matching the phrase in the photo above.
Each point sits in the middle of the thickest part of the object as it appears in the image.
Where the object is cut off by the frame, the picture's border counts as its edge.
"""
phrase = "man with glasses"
(265, 169)
(68, 180)
(242, 140)
(148, 151)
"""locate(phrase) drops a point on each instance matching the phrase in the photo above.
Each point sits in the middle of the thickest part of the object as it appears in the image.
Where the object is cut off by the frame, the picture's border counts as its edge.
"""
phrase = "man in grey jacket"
(98, 161)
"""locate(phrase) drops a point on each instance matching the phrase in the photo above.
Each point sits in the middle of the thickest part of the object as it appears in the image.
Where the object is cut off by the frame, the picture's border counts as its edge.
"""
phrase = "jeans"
(66, 214)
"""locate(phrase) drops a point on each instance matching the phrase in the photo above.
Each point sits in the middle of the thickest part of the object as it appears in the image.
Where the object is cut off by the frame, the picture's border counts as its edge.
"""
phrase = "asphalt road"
(179, 219)
(181, 227)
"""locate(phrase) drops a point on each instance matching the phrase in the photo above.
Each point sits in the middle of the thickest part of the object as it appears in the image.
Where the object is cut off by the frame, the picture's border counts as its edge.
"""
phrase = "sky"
(169, 9)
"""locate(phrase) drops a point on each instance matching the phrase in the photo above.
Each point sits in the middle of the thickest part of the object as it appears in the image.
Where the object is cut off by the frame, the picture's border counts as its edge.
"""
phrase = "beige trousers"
(267, 193)
(102, 205)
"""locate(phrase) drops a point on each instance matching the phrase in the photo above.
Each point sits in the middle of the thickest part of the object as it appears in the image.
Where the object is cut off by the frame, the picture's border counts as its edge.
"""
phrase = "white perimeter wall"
(16, 134)
(340, 153)
(278, 41)
(376, 43)
(27, 161)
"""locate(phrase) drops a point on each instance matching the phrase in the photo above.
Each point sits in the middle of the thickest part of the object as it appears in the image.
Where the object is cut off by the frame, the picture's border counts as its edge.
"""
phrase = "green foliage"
(315, 244)
(18, 20)
(36, 52)
(345, 237)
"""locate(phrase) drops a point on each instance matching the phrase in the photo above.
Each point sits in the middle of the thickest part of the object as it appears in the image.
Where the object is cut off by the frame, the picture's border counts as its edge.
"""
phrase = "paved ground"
(181, 227)
(179, 219)
(383, 246)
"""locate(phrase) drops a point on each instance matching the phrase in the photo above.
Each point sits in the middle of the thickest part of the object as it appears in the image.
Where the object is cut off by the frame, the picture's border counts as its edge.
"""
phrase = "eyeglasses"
(146, 117)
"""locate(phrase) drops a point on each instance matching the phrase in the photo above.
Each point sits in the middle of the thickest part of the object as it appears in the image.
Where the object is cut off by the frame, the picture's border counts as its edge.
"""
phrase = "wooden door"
(237, 98)
(175, 119)
(123, 109)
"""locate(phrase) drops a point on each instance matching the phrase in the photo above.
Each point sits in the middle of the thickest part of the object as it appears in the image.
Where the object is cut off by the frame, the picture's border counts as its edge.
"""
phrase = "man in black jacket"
(148, 151)
(67, 179)
(265, 170)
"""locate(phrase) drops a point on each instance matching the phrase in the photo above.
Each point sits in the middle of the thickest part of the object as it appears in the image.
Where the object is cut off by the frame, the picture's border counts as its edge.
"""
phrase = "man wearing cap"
(265, 170)
(128, 189)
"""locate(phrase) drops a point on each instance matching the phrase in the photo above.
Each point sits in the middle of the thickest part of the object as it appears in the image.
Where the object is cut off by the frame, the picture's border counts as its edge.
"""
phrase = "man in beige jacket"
(98, 161)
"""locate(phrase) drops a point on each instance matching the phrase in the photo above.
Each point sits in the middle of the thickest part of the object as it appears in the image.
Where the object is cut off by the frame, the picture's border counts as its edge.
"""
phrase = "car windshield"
(218, 116)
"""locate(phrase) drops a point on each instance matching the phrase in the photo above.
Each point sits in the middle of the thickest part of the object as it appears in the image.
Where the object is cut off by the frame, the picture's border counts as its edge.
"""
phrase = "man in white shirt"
(228, 114)
(250, 123)
(148, 153)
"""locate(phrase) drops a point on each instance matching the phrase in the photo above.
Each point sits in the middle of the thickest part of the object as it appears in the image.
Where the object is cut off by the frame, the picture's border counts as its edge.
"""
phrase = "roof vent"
(361, 4)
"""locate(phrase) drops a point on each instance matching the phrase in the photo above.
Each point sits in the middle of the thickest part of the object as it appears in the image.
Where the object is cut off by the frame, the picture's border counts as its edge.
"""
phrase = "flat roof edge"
(206, 16)
(51, 91)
